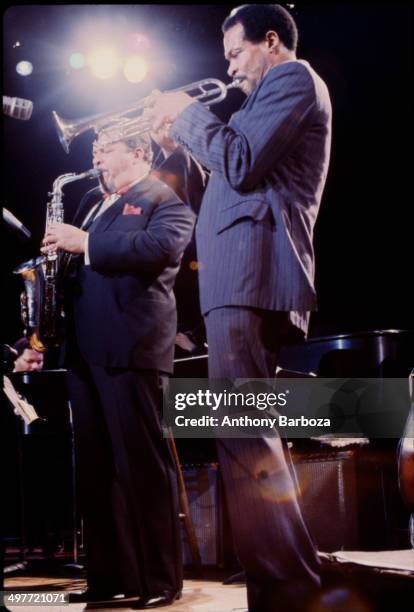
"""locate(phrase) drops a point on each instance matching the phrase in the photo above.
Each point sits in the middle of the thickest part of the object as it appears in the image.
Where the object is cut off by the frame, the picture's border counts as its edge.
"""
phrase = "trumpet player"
(129, 234)
(268, 169)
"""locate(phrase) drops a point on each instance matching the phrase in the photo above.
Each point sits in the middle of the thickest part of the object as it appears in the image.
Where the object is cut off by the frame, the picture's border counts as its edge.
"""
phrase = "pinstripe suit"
(268, 168)
(254, 240)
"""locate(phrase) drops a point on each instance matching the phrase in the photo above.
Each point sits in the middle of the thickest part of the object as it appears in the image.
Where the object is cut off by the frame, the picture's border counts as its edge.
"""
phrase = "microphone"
(18, 108)
(14, 223)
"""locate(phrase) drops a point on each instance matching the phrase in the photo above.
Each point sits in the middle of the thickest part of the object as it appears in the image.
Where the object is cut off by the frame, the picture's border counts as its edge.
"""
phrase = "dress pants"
(127, 481)
(271, 539)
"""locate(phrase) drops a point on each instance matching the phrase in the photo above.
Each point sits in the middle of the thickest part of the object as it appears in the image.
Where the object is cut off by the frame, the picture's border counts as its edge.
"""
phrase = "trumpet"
(129, 121)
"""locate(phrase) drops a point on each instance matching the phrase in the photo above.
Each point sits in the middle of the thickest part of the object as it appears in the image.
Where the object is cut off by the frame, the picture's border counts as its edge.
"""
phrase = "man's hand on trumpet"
(162, 139)
(160, 136)
(166, 108)
(63, 236)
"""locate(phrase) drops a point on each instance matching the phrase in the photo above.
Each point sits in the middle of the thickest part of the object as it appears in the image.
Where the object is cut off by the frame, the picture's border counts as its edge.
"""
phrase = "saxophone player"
(129, 235)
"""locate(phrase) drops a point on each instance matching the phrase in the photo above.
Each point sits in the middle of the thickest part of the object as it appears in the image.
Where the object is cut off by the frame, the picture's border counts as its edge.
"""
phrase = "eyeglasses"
(104, 149)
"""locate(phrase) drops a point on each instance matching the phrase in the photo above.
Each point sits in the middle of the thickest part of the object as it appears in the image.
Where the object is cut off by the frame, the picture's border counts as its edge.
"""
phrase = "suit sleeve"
(184, 175)
(271, 127)
(159, 245)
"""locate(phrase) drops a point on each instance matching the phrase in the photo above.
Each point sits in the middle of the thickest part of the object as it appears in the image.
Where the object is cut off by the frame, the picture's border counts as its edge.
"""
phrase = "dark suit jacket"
(268, 169)
(123, 303)
(183, 174)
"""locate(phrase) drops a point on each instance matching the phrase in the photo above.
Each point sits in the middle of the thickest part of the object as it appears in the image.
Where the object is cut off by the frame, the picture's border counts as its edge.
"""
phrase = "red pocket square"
(131, 210)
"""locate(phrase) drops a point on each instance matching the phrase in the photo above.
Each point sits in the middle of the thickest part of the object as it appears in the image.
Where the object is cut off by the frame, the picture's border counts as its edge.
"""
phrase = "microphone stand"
(22, 564)
(74, 565)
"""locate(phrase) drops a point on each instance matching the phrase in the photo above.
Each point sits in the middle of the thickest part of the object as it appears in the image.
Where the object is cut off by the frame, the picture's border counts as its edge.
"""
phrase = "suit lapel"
(83, 210)
(106, 218)
(131, 197)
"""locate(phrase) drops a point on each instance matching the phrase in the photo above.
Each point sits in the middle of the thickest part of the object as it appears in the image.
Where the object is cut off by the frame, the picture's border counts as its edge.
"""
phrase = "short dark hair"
(21, 345)
(258, 19)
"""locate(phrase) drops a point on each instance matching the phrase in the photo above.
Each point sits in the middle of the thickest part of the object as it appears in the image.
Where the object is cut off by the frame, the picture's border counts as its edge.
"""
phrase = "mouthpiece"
(92, 174)
(236, 82)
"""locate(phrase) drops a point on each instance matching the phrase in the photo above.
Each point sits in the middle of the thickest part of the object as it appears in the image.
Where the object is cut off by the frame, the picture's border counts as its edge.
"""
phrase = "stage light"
(77, 61)
(16, 44)
(24, 68)
(135, 69)
(104, 62)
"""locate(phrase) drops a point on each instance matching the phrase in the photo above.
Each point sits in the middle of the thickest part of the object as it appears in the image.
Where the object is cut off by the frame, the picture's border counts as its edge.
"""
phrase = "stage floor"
(355, 587)
(198, 595)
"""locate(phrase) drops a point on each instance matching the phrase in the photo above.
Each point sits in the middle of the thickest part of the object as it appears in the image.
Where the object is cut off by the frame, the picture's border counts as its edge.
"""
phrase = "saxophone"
(41, 302)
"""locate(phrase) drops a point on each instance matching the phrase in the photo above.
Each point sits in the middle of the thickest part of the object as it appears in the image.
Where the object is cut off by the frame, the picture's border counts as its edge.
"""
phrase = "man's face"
(248, 61)
(116, 161)
(29, 361)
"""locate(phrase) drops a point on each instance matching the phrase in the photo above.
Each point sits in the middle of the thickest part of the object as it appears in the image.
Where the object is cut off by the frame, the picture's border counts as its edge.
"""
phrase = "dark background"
(364, 231)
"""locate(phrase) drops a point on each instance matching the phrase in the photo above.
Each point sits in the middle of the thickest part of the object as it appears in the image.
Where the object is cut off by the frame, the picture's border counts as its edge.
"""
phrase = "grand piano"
(385, 353)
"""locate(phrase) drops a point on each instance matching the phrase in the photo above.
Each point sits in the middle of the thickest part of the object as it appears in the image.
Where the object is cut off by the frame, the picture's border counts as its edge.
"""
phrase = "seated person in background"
(184, 341)
(191, 342)
(28, 360)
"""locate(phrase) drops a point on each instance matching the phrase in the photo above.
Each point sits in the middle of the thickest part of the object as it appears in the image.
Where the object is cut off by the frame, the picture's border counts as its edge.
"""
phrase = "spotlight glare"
(77, 61)
(24, 68)
(16, 44)
(136, 41)
(104, 62)
(135, 69)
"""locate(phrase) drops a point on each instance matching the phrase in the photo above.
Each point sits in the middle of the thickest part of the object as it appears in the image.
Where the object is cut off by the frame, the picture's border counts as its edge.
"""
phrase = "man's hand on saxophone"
(64, 236)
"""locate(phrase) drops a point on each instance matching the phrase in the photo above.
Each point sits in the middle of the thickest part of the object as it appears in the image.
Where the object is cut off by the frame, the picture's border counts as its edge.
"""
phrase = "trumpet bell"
(66, 131)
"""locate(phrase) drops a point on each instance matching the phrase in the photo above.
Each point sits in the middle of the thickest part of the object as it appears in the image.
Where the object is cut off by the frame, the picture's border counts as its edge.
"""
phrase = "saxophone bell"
(32, 303)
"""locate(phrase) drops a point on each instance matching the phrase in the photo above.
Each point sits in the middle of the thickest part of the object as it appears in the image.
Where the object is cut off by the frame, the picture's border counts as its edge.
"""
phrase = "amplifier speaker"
(350, 498)
(329, 499)
(328, 482)
(205, 498)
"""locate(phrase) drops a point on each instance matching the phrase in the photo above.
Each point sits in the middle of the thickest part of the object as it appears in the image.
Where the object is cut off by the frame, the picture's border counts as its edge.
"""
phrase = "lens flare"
(135, 68)
(104, 62)
(77, 61)
(24, 68)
